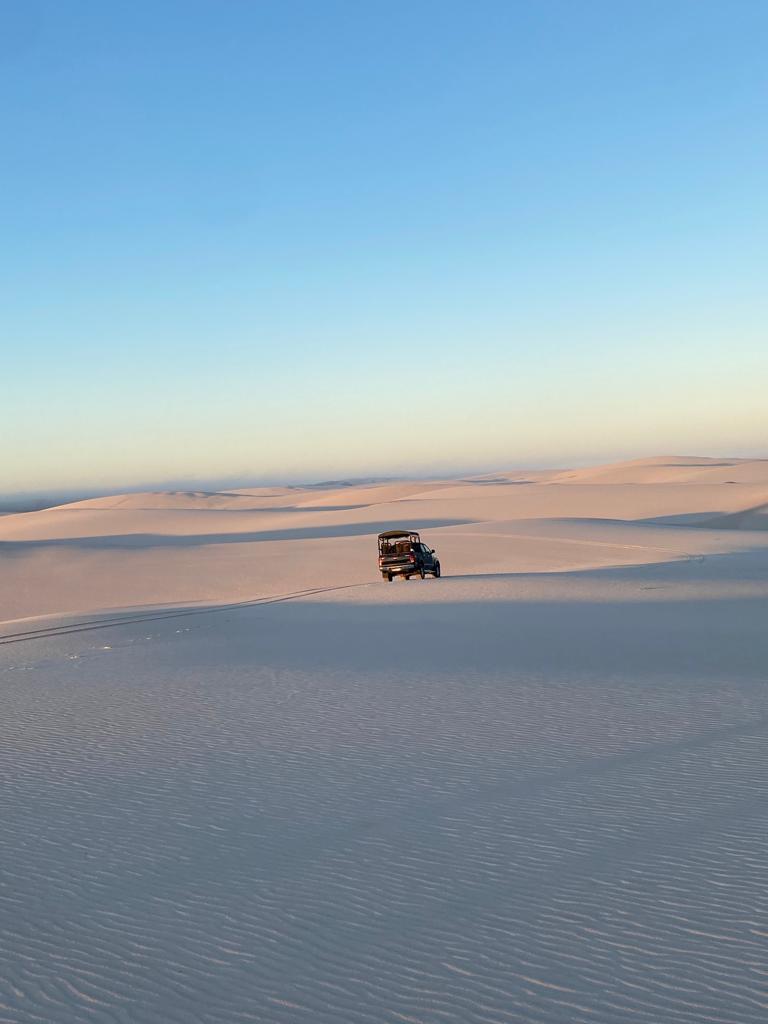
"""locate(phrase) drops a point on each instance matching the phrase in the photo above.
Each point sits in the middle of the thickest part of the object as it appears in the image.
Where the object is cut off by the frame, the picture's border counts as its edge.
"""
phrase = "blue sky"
(292, 240)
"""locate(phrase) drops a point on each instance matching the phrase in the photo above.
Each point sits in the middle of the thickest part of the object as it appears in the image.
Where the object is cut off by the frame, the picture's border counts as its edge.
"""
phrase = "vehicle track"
(122, 620)
(119, 620)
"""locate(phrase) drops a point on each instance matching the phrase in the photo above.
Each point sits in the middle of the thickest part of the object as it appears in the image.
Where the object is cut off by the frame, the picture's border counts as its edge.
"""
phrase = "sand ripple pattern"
(197, 830)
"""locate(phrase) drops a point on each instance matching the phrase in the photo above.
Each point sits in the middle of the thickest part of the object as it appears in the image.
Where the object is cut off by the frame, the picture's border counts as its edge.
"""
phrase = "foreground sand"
(530, 791)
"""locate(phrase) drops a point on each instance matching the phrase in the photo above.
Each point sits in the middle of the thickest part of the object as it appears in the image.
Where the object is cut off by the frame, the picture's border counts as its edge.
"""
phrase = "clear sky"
(293, 239)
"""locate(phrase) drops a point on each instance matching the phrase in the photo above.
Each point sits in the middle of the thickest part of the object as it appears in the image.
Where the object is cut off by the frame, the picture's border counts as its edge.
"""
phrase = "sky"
(252, 240)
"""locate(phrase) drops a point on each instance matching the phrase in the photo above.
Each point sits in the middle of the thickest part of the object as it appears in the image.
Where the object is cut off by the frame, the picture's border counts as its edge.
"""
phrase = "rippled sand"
(533, 790)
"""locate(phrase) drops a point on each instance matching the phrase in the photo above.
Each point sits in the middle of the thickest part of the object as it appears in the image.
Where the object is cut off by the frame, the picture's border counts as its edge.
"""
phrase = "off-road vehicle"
(401, 553)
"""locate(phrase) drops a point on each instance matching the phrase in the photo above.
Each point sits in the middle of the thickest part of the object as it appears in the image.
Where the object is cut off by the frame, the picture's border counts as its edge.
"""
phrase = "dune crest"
(671, 469)
(755, 518)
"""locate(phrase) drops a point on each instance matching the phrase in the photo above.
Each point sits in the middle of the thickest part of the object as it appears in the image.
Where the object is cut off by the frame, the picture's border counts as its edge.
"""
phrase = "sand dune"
(755, 518)
(211, 547)
(672, 469)
(97, 556)
(151, 500)
(245, 780)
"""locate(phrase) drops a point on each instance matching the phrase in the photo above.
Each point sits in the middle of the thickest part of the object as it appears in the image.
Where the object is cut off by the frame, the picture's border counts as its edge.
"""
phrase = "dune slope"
(141, 550)
(532, 790)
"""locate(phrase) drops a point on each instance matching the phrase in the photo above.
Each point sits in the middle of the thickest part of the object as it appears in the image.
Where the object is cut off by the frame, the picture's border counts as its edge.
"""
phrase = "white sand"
(532, 790)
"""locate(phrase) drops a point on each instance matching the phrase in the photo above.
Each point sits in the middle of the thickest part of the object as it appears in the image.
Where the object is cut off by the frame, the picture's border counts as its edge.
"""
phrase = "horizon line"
(42, 498)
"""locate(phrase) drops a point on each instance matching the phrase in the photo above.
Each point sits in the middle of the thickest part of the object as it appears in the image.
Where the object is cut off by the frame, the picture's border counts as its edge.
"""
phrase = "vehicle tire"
(406, 576)
(387, 576)
(437, 569)
(423, 574)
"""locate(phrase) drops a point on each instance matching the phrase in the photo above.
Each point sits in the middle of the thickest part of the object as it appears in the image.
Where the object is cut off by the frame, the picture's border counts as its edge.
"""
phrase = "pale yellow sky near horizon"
(240, 432)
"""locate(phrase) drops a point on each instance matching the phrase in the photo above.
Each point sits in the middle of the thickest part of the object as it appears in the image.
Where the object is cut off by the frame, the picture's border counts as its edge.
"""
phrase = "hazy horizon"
(39, 498)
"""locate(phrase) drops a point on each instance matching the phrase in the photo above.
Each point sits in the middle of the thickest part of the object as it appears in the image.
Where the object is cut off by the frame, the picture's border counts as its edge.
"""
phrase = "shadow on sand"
(143, 541)
(624, 620)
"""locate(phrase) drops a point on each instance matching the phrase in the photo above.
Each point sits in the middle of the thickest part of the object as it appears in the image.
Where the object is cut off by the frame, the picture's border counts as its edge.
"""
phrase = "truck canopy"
(397, 541)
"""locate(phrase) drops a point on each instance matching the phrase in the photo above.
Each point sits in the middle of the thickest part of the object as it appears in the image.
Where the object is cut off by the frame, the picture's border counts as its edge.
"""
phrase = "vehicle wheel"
(423, 574)
(437, 569)
(387, 576)
(406, 577)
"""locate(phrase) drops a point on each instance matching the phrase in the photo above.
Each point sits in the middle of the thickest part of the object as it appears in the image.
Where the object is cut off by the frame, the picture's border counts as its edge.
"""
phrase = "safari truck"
(402, 553)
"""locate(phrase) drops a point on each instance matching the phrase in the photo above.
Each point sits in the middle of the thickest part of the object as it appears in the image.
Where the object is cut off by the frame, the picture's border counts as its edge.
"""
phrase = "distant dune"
(671, 469)
(145, 549)
(144, 500)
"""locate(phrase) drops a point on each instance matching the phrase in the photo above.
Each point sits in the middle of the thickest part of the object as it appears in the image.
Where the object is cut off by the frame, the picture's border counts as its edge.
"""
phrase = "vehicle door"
(428, 559)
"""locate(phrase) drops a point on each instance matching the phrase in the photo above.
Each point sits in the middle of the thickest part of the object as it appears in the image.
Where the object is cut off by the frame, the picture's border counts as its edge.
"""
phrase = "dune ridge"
(672, 469)
(144, 549)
